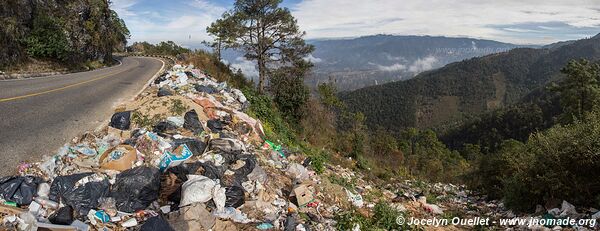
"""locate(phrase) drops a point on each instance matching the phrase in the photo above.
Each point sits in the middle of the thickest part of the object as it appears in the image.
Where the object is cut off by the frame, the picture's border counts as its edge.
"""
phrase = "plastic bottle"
(46, 203)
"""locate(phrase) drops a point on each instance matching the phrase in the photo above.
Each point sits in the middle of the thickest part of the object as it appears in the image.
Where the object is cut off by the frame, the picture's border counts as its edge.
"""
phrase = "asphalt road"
(38, 116)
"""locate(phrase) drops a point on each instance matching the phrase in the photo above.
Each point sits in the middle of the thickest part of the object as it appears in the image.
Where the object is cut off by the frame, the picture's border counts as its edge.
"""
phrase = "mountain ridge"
(465, 88)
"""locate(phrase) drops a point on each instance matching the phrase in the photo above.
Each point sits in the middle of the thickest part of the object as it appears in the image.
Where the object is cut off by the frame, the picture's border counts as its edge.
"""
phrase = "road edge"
(146, 85)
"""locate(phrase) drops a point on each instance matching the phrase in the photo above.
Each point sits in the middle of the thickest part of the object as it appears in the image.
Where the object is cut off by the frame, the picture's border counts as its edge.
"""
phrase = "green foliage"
(553, 165)
(163, 48)
(266, 32)
(383, 144)
(493, 169)
(341, 181)
(436, 97)
(120, 31)
(490, 130)
(72, 33)
(428, 158)
(47, 39)
(318, 160)
(384, 218)
(220, 30)
(177, 107)
(327, 96)
(144, 121)
(466, 88)
(289, 92)
(217, 69)
(580, 91)
(276, 128)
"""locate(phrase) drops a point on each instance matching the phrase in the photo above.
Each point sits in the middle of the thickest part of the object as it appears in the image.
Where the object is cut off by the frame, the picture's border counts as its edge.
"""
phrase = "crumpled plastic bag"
(81, 196)
(121, 120)
(192, 123)
(234, 214)
(235, 196)
(298, 172)
(136, 189)
(201, 189)
(227, 145)
(156, 223)
(215, 125)
(356, 199)
(196, 146)
(19, 189)
(164, 91)
(62, 216)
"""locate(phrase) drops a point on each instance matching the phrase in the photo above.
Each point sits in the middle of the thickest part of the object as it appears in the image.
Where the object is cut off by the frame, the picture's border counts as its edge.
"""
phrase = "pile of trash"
(184, 155)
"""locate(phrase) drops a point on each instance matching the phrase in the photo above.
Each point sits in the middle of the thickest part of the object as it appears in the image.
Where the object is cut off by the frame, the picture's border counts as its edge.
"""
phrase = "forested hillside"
(466, 88)
(378, 59)
(66, 32)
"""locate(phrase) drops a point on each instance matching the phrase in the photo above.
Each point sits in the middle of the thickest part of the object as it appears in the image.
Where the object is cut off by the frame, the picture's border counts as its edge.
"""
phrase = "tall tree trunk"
(261, 74)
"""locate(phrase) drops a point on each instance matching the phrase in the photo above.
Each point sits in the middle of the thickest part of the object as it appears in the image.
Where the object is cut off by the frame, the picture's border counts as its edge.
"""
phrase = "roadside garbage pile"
(182, 156)
(413, 198)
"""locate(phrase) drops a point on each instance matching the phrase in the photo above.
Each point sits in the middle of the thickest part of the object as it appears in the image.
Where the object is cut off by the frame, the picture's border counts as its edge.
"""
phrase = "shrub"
(557, 164)
(384, 218)
(47, 39)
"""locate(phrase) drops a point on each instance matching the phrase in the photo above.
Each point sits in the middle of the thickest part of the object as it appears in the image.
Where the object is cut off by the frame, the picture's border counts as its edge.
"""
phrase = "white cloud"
(184, 22)
(424, 64)
(392, 68)
(248, 67)
(312, 59)
(122, 7)
(473, 18)
(500, 20)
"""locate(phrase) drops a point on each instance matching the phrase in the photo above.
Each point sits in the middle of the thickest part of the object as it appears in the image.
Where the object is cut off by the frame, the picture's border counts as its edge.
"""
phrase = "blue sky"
(514, 21)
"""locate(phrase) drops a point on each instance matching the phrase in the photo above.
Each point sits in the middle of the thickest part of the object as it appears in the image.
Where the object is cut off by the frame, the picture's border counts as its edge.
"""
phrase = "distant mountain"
(466, 88)
(371, 60)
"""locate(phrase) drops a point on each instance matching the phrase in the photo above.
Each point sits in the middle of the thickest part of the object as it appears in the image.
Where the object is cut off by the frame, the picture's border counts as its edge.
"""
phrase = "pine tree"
(266, 32)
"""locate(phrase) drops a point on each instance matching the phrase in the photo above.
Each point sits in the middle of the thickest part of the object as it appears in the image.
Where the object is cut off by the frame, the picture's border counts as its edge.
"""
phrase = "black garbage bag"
(157, 223)
(164, 91)
(136, 188)
(214, 125)
(226, 145)
(164, 127)
(235, 196)
(206, 89)
(183, 170)
(192, 122)
(241, 174)
(228, 157)
(62, 216)
(160, 79)
(248, 167)
(196, 146)
(290, 223)
(19, 189)
(121, 120)
(211, 171)
(81, 198)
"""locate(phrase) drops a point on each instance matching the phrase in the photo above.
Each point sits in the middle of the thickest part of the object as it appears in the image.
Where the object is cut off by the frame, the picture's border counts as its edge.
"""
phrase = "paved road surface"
(37, 116)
